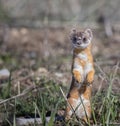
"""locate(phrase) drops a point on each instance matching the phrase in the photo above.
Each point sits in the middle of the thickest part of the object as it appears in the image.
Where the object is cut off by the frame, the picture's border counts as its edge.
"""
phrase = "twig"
(84, 109)
(100, 85)
(104, 74)
(112, 79)
(20, 95)
(24, 78)
(115, 71)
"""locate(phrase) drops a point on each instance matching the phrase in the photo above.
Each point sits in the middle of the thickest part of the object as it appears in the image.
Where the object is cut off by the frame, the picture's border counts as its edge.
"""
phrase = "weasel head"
(81, 39)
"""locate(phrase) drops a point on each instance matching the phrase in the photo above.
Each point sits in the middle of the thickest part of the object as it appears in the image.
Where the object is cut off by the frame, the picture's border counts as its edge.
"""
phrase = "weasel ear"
(89, 32)
(72, 33)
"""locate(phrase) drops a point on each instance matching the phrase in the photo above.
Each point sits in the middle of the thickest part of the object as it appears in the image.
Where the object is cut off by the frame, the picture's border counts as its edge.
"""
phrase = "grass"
(47, 99)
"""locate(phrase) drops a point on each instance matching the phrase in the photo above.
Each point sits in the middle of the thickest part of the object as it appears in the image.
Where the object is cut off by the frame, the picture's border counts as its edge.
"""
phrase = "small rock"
(58, 74)
(42, 70)
(24, 31)
(21, 121)
(15, 33)
(4, 73)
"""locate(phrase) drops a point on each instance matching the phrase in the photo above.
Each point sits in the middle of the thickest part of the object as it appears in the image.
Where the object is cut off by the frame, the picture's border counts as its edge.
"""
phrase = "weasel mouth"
(81, 45)
(78, 44)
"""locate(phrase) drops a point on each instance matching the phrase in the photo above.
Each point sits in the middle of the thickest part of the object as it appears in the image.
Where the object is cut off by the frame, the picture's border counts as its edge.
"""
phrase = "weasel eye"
(84, 39)
(74, 39)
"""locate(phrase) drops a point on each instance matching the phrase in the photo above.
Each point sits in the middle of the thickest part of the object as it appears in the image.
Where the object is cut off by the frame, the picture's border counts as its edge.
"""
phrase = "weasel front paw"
(77, 76)
(90, 77)
(77, 84)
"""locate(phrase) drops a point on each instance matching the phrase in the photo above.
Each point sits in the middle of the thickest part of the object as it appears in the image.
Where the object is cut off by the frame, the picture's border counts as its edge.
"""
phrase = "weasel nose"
(78, 42)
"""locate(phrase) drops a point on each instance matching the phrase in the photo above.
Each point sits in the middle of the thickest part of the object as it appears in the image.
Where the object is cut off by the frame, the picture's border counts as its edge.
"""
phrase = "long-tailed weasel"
(82, 75)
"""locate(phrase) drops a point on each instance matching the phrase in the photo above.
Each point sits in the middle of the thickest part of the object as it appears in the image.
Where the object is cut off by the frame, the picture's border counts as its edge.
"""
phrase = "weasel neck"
(78, 51)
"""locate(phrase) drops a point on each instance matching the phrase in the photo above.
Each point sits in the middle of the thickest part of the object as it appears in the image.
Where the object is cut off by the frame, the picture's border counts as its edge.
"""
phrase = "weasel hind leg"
(87, 114)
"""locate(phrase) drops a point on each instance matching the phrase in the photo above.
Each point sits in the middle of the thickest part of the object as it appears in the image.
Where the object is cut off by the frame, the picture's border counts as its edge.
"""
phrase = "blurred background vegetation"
(59, 12)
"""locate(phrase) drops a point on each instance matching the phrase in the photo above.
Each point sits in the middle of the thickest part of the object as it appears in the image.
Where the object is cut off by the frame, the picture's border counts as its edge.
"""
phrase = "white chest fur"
(84, 70)
(82, 56)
